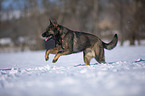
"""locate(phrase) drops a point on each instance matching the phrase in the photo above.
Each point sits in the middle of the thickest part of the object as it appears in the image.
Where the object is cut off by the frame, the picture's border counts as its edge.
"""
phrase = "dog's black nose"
(43, 34)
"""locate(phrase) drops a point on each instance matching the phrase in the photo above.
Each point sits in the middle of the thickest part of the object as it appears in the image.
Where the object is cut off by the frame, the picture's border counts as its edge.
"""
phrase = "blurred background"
(23, 21)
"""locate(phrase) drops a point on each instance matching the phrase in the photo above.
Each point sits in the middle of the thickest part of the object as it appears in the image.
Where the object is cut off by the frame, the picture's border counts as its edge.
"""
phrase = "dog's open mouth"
(47, 38)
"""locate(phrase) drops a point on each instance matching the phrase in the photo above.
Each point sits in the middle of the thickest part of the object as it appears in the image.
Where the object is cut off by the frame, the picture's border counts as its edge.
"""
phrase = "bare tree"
(96, 12)
(137, 22)
(36, 21)
(121, 21)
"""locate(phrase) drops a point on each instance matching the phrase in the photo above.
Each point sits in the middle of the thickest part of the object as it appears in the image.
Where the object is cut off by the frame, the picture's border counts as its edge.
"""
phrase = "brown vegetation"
(99, 17)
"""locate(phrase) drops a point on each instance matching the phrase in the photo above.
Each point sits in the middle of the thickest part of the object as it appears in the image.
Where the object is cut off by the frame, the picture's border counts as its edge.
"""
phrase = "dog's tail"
(112, 44)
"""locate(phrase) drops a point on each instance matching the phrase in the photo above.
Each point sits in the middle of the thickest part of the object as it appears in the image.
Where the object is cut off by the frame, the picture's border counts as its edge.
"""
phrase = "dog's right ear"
(53, 22)
(50, 22)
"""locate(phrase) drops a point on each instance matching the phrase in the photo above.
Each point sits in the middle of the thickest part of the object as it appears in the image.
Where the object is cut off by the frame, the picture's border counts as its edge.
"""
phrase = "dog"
(70, 42)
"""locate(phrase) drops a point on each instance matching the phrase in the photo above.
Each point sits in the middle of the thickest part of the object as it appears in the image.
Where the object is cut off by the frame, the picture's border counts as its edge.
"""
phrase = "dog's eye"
(54, 30)
(48, 30)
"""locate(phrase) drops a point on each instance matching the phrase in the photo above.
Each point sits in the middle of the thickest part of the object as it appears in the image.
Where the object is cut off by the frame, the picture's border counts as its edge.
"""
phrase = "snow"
(28, 74)
(6, 41)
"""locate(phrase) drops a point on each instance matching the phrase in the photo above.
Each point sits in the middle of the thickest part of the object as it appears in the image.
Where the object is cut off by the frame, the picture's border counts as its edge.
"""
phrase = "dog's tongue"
(48, 38)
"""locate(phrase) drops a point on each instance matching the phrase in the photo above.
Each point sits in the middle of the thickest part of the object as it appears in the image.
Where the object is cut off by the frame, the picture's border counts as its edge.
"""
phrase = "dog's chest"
(50, 44)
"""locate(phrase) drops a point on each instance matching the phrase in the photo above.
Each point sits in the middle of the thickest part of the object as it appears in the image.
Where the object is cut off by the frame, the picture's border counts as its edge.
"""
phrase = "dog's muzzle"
(46, 37)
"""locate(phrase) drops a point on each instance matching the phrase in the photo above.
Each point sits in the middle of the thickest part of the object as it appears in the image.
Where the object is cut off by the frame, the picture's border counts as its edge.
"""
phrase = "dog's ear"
(53, 22)
(50, 22)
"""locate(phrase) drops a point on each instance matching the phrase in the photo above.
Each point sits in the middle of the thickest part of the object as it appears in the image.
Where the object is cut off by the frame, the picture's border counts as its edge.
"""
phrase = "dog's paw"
(54, 61)
(46, 59)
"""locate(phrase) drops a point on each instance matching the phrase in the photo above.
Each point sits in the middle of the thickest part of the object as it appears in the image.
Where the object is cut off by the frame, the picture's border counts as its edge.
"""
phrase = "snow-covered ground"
(28, 74)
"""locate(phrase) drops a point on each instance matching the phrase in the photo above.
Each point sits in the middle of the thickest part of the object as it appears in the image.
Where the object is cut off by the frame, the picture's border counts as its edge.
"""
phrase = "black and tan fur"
(73, 41)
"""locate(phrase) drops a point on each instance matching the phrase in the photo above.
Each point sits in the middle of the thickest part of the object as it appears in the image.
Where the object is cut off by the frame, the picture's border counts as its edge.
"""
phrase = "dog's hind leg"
(87, 59)
(99, 54)
(88, 55)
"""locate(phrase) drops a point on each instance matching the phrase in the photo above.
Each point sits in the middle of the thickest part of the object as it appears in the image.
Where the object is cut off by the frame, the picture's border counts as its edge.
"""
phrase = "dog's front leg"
(47, 54)
(59, 54)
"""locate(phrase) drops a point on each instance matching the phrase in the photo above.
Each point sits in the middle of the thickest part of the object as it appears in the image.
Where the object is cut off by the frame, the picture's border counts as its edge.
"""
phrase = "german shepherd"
(70, 41)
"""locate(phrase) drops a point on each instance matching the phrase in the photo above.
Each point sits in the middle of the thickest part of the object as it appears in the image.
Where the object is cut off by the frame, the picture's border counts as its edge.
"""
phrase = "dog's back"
(82, 40)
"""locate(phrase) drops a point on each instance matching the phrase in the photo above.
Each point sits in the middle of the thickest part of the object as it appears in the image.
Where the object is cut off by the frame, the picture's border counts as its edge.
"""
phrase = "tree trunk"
(36, 20)
(132, 39)
(132, 35)
(96, 16)
(121, 22)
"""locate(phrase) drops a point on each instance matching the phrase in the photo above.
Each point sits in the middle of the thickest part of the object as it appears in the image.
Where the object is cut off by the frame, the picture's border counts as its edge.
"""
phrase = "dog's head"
(52, 30)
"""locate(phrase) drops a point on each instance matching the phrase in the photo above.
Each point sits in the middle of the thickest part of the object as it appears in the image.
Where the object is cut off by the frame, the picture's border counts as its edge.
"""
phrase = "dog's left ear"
(53, 22)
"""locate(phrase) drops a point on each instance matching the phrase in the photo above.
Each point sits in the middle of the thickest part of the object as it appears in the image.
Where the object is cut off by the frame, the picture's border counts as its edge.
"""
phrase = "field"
(28, 74)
